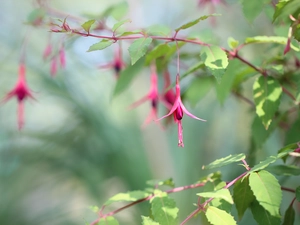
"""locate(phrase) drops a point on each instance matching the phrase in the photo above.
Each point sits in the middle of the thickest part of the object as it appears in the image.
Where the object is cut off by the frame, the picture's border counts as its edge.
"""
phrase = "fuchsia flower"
(21, 91)
(153, 97)
(177, 110)
(62, 57)
(53, 66)
(47, 51)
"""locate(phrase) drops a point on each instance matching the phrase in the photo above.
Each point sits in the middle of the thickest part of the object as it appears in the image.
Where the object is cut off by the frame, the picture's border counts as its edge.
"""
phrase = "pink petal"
(139, 102)
(189, 114)
(171, 111)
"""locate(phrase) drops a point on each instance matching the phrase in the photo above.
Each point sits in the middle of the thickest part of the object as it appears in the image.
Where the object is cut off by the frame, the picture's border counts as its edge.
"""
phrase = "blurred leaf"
(215, 59)
(284, 8)
(298, 193)
(284, 170)
(225, 161)
(269, 39)
(87, 25)
(104, 43)
(262, 216)
(119, 24)
(193, 68)
(127, 197)
(252, 9)
(127, 33)
(36, 16)
(148, 221)
(267, 92)
(289, 216)
(293, 132)
(242, 195)
(138, 48)
(169, 182)
(217, 216)
(232, 43)
(126, 76)
(222, 194)
(158, 29)
(158, 51)
(164, 208)
(108, 221)
(194, 22)
(221, 204)
(267, 191)
(117, 11)
(286, 150)
(94, 208)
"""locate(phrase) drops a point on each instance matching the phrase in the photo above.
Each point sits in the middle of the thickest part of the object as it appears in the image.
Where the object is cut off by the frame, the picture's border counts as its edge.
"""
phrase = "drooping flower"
(53, 66)
(153, 97)
(21, 92)
(178, 110)
(47, 51)
(62, 57)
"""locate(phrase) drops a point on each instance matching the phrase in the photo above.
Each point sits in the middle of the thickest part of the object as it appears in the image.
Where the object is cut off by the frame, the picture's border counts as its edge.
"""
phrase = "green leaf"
(267, 191)
(120, 23)
(269, 39)
(221, 204)
(117, 11)
(242, 195)
(36, 15)
(262, 216)
(148, 221)
(138, 48)
(126, 76)
(225, 161)
(298, 194)
(127, 33)
(94, 208)
(217, 216)
(169, 182)
(284, 152)
(127, 197)
(284, 8)
(87, 25)
(104, 43)
(215, 59)
(164, 208)
(223, 88)
(267, 92)
(108, 221)
(232, 43)
(289, 216)
(158, 51)
(194, 22)
(292, 134)
(222, 194)
(284, 170)
(252, 9)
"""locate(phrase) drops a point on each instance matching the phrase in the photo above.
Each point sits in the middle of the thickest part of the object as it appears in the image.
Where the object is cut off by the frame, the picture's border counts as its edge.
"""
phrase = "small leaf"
(225, 161)
(164, 208)
(120, 23)
(87, 25)
(267, 92)
(127, 197)
(232, 43)
(158, 51)
(284, 170)
(289, 216)
(217, 216)
(269, 39)
(222, 194)
(242, 195)
(221, 204)
(104, 43)
(267, 191)
(94, 208)
(262, 216)
(126, 77)
(108, 221)
(252, 9)
(215, 59)
(148, 221)
(138, 48)
(284, 152)
(194, 22)
(298, 194)
(127, 33)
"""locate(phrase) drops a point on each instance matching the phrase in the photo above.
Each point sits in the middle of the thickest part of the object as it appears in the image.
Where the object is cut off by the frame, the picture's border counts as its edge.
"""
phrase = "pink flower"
(178, 109)
(53, 66)
(47, 51)
(21, 91)
(153, 97)
(62, 57)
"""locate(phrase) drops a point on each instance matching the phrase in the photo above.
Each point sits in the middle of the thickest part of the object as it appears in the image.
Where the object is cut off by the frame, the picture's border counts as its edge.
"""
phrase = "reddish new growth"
(153, 97)
(177, 110)
(21, 91)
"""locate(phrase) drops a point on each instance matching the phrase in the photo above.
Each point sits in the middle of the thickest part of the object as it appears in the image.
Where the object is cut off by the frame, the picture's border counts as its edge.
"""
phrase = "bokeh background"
(80, 146)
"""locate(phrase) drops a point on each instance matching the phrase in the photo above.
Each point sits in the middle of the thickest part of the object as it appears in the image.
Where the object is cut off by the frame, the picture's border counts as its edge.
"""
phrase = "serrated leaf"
(242, 196)
(217, 216)
(284, 170)
(269, 39)
(104, 43)
(158, 51)
(222, 194)
(215, 59)
(194, 22)
(108, 221)
(87, 25)
(297, 193)
(127, 197)
(148, 221)
(119, 24)
(252, 9)
(267, 191)
(225, 161)
(232, 43)
(267, 92)
(164, 208)
(262, 216)
(138, 48)
(289, 216)
(126, 77)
